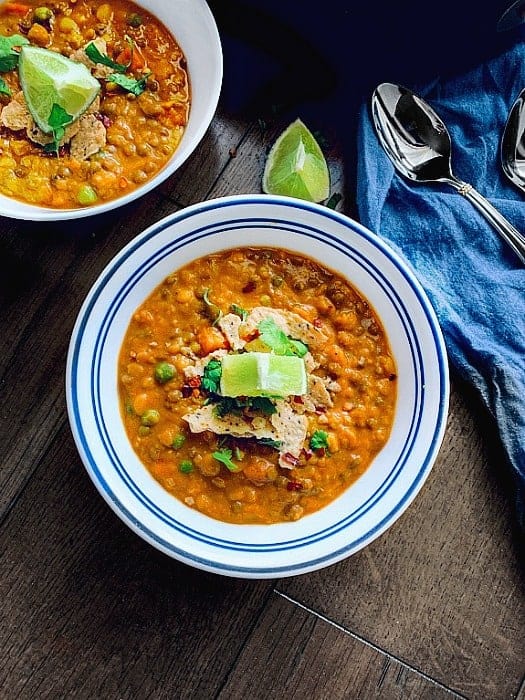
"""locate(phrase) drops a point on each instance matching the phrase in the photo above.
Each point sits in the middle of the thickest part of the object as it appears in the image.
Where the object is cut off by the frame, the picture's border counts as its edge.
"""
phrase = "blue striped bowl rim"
(317, 546)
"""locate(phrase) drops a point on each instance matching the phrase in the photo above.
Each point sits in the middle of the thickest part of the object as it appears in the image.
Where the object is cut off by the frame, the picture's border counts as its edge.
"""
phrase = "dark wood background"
(434, 608)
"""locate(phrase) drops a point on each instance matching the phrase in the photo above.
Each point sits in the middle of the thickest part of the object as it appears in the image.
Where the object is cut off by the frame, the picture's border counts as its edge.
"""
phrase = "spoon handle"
(511, 235)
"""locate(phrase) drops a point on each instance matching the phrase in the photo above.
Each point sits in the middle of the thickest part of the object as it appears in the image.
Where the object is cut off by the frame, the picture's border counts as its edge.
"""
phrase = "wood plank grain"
(89, 610)
(443, 589)
(196, 177)
(292, 653)
(51, 269)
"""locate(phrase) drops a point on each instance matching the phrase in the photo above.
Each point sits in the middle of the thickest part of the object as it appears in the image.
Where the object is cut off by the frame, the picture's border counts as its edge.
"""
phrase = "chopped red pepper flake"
(252, 335)
(249, 287)
(106, 121)
(291, 459)
(294, 486)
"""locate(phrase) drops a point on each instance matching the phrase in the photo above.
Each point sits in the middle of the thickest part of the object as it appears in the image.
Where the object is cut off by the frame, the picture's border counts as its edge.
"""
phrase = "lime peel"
(48, 78)
(262, 374)
(296, 166)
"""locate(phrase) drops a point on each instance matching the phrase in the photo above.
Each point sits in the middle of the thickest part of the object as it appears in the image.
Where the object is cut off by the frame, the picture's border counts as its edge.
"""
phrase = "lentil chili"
(169, 374)
(132, 129)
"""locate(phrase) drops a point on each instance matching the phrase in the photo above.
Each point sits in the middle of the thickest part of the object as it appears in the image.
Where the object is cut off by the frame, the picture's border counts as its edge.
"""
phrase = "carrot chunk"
(15, 8)
(211, 339)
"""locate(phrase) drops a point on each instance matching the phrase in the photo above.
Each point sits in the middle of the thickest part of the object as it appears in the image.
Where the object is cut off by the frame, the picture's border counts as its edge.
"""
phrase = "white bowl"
(369, 506)
(193, 26)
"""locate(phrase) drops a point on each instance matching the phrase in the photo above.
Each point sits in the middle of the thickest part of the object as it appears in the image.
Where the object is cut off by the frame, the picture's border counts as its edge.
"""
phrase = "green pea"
(186, 466)
(42, 15)
(86, 195)
(178, 441)
(150, 417)
(164, 371)
(144, 430)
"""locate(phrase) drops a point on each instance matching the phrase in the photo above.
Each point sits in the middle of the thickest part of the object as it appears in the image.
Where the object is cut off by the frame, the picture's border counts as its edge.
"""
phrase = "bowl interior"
(193, 26)
(362, 512)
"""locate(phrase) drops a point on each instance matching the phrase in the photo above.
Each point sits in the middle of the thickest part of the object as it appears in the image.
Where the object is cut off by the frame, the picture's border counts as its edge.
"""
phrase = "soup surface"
(271, 457)
(127, 134)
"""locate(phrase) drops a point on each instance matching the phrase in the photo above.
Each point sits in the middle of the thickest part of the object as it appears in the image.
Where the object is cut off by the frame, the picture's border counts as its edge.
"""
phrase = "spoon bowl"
(418, 143)
(412, 134)
(513, 143)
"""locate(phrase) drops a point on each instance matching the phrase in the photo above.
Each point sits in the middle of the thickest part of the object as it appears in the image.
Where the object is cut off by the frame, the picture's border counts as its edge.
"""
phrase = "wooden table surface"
(433, 608)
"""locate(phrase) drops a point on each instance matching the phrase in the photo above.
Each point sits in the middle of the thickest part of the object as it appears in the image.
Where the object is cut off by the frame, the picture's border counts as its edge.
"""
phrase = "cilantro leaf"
(215, 311)
(212, 376)
(262, 404)
(225, 456)
(298, 348)
(8, 55)
(268, 442)
(237, 405)
(319, 440)
(57, 120)
(136, 87)
(272, 336)
(239, 311)
(277, 340)
(227, 404)
(97, 57)
(4, 87)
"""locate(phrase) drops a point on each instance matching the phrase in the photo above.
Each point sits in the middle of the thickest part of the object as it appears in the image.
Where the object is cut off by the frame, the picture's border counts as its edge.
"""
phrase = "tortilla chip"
(15, 115)
(318, 391)
(293, 325)
(229, 325)
(204, 418)
(290, 428)
(89, 139)
(284, 427)
(99, 70)
(197, 369)
(38, 136)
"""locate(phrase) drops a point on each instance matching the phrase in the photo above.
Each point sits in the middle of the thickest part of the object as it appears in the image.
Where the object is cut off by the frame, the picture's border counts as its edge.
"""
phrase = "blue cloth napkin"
(474, 281)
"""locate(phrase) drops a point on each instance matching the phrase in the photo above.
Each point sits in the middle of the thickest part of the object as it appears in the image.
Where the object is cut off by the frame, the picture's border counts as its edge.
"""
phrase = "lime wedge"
(262, 374)
(296, 166)
(48, 78)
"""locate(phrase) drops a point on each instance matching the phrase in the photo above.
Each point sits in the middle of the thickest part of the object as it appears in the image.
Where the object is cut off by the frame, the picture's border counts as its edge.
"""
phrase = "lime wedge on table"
(48, 78)
(262, 374)
(296, 166)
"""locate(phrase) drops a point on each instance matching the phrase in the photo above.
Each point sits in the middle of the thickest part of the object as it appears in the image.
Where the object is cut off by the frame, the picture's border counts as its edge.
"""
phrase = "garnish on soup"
(94, 99)
(256, 412)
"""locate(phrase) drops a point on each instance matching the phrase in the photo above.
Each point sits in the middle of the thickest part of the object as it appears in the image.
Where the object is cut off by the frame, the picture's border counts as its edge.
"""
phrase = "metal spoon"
(513, 143)
(418, 144)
